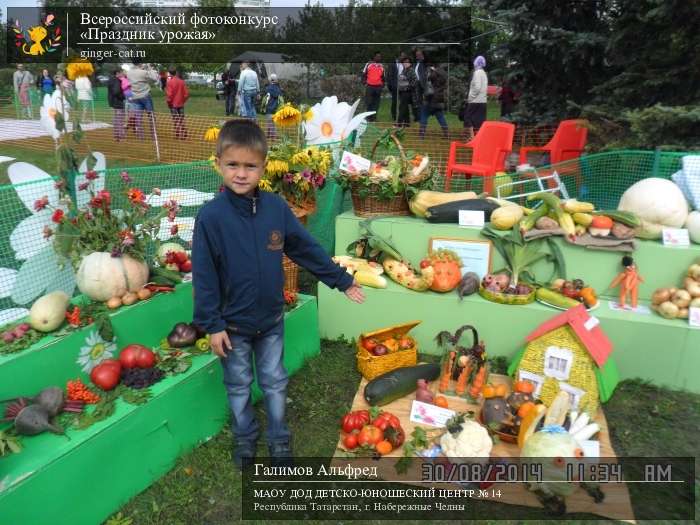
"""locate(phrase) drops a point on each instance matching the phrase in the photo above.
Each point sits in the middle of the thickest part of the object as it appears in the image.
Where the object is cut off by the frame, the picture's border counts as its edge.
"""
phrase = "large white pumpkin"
(101, 276)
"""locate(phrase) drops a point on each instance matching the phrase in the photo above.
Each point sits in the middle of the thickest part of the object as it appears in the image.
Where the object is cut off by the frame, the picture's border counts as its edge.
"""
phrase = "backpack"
(403, 83)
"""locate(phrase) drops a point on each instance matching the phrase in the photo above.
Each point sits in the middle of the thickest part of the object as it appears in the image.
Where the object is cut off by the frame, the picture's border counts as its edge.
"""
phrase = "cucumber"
(398, 383)
(556, 299)
(163, 274)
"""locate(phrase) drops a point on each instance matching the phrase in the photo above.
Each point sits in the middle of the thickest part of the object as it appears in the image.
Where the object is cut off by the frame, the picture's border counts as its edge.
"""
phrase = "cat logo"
(37, 40)
(276, 240)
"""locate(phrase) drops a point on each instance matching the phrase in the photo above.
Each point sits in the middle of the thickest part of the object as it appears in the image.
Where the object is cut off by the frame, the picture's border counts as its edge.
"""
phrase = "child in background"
(238, 243)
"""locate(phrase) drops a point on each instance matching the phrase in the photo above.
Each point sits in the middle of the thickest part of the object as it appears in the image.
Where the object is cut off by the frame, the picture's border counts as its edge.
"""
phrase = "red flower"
(41, 203)
(136, 196)
(105, 196)
(173, 229)
(102, 199)
(91, 175)
(83, 186)
(59, 185)
(73, 317)
(57, 216)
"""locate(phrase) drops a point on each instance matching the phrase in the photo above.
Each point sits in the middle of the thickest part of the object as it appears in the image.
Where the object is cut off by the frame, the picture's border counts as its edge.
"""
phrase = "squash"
(370, 278)
(426, 199)
(403, 274)
(101, 276)
(398, 383)
(505, 217)
(49, 311)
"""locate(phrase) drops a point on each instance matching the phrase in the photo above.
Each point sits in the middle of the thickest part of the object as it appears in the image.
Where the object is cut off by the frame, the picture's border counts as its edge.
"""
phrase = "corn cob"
(528, 223)
(580, 229)
(370, 278)
(584, 219)
(574, 206)
(564, 219)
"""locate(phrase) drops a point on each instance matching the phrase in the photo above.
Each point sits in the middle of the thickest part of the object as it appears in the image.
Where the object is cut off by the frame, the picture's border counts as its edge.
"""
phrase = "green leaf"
(60, 122)
(14, 445)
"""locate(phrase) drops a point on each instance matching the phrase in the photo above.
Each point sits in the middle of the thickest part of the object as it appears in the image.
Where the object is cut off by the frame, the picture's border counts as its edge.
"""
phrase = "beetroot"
(33, 420)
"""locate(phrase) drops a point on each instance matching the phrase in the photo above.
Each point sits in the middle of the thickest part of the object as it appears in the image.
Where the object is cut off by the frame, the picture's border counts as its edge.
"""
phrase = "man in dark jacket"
(434, 99)
(421, 71)
(392, 79)
(238, 243)
(115, 99)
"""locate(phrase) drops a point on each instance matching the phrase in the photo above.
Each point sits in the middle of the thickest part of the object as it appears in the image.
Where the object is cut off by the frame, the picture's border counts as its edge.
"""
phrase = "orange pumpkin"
(447, 274)
(489, 392)
(588, 296)
(501, 390)
(524, 387)
(440, 401)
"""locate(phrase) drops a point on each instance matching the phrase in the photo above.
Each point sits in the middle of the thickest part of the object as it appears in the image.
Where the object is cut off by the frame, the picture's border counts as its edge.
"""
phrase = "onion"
(129, 298)
(114, 302)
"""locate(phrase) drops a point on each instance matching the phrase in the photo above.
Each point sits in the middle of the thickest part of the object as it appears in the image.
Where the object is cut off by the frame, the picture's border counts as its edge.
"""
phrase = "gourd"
(49, 311)
(426, 199)
(101, 276)
(398, 383)
(693, 226)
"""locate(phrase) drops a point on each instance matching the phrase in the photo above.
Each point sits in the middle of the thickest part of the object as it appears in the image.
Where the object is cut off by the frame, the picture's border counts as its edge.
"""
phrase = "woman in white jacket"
(83, 86)
(475, 114)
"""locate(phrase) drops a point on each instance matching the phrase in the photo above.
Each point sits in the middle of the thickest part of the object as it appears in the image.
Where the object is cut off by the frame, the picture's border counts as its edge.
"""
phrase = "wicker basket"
(505, 298)
(371, 366)
(291, 270)
(371, 206)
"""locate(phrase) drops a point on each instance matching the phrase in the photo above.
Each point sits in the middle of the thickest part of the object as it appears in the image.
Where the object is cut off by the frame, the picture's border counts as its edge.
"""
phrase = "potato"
(144, 293)
(114, 302)
(681, 298)
(683, 313)
(668, 310)
(661, 295)
(692, 286)
(129, 298)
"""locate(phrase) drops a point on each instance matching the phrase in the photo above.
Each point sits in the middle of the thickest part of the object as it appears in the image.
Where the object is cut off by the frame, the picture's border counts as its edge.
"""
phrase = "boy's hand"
(219, 343)
(355, 293)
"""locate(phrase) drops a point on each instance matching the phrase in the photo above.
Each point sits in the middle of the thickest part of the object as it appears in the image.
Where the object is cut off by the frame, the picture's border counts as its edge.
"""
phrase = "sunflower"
(265, 185)
(301, 157)
(79, 68)
(276, 167)
(212, 134)
(287, 115)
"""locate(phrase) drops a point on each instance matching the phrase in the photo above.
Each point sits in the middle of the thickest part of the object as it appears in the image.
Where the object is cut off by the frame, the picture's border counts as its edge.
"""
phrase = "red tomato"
(354, 420)
(130, 354)
(145, 358)
(386, 419)
(186, 266)
(370, 435)
(350, 441)
(395, 436)
(180, 257)
(104, 376)
(114, 363)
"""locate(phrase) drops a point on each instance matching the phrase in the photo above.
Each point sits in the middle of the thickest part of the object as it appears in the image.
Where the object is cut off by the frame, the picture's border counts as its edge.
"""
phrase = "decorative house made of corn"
(569, 352)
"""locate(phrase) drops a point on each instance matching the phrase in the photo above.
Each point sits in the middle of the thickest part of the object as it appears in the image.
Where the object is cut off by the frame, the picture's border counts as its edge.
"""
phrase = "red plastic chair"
(491, 146)
(566, 144)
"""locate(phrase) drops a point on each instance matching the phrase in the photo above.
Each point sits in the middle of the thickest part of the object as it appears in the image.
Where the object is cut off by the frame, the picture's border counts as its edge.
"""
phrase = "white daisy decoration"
(333, 121)
(52, 106)
(183, 196)
(95, 351)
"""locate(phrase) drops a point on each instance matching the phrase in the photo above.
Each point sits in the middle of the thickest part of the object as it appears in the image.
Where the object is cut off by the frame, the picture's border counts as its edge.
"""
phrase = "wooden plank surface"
(617, 502)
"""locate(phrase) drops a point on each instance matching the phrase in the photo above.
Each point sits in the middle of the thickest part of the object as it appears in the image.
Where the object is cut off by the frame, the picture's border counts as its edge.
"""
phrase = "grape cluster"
(141, 377)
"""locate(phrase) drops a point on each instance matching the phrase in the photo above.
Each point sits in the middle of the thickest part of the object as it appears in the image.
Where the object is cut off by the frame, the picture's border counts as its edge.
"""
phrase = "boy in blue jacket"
(239, 239)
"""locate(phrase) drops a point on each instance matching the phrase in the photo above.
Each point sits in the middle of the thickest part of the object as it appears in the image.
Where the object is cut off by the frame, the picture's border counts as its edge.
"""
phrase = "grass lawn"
(203, 488)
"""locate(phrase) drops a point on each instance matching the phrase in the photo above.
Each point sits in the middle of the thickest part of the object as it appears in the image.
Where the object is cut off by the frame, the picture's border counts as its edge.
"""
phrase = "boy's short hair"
(242, 133)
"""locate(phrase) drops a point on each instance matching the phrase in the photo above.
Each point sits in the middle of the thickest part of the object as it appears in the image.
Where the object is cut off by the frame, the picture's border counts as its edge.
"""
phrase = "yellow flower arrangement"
(79, 68)
(276, 167)
(212, 134)
(265, 184)
(287, 116)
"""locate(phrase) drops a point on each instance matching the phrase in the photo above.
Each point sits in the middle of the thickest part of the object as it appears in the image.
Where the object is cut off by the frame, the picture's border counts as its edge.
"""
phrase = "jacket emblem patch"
(276, 241)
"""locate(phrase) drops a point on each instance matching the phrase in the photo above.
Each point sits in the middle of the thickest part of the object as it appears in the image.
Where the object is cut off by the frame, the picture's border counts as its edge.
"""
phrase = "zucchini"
(555, 298)
(398, 383)
(449, 212)
(164, 276)
(425, 199)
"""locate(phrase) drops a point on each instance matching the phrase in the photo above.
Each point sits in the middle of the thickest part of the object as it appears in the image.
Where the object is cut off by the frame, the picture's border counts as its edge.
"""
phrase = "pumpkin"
(446, 266)
(101, 276)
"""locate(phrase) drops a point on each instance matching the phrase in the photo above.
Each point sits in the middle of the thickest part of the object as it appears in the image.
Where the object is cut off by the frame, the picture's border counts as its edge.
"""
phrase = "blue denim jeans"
(272, 378)
(249, 103)
(425, 112)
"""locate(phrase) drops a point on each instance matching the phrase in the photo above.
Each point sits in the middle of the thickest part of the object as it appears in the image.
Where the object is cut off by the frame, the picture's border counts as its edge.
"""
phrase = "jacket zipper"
(257, 258)
(255, 208)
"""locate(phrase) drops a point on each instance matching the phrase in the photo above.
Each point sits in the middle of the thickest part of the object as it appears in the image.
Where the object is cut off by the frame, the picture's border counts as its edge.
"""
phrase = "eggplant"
(449, 212)
(182, 335)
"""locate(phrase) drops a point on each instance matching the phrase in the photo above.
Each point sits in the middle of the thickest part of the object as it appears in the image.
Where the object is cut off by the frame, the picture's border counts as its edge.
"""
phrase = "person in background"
(163, 79)
(373, 79)
(508, 99)
(434, 99)
(272, 100)
(239, 236)
(176, 94)
(230, 83)
(84, 88)
(475, 114)
(249, 89)
(140, 77)
(392, 78)
(421, 74)
(115, 99)
(406, 86)
(45, 83)
(22, 81)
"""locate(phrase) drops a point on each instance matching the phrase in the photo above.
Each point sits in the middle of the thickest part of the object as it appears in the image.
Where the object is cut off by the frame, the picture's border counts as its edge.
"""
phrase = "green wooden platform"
(89, 474)
(665, 352)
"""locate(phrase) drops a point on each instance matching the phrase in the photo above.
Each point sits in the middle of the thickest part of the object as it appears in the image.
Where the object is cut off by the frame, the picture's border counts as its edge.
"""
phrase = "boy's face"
(241, 169)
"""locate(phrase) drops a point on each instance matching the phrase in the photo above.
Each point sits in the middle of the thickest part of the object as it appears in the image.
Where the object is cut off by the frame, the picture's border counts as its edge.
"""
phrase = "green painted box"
(88, 475)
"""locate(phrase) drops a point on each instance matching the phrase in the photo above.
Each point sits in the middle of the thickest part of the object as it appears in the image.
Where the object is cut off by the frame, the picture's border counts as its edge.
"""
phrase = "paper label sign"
(676, 237)
(471, 218)
(694, 317)
(428, 414)
(354, 163)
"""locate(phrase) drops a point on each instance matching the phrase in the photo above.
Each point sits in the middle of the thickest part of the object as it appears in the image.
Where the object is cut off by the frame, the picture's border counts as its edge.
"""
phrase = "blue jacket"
(237, 262)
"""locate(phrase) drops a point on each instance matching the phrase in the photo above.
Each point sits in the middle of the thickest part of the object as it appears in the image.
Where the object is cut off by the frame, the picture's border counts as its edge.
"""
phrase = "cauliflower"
(472, 441)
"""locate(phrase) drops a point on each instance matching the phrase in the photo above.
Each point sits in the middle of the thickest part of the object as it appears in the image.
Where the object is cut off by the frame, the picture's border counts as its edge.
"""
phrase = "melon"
(101, 276)
(49, 311)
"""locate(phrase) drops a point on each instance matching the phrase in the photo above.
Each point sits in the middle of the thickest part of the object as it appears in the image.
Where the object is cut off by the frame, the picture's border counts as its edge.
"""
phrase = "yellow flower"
(79, 68)
(297, 178)
(287, 115)
(214, 164)
(265, 185)
(276, 167)
(301, 157)
(308, 115)
(212, 134)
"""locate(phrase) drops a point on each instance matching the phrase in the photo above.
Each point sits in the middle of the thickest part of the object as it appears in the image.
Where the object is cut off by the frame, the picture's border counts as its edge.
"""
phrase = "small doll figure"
(628, 280)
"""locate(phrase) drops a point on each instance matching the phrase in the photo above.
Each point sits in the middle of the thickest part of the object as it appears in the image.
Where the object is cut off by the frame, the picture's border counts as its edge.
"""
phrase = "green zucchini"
(160, 275)
(556, 299)
(398, 383)
(449, 212)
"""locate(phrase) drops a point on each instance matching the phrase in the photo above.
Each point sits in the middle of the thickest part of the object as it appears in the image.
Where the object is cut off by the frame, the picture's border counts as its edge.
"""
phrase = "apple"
(380, 349)
(405, 343)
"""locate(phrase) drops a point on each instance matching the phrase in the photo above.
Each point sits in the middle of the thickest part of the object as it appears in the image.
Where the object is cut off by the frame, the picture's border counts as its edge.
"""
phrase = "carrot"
(478, 382)
(462, 381)
(447, 373)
